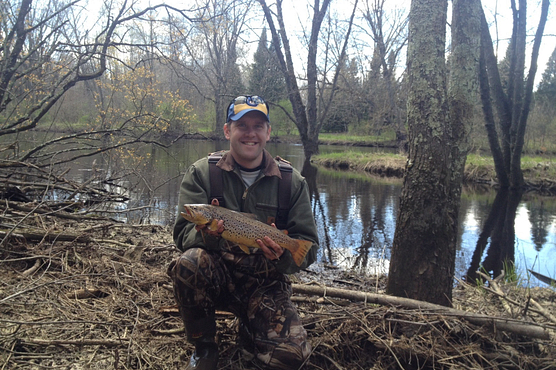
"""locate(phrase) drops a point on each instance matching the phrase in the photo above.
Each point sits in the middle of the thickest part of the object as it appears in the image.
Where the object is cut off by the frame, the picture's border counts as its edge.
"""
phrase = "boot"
(201, 332)
(245, 341)
(205, 356)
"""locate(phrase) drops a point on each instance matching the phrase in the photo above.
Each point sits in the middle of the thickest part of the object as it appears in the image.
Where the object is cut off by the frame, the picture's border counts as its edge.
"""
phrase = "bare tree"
(506, 138)
(309, 117)
(44, 59)
(388, 30)
(45, 53)
(211, 50)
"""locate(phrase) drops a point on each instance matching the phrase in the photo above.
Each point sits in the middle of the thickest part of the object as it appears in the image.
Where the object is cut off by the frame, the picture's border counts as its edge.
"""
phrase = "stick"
(496, 288)
(33, 268)
(510, 325)
(77, 342)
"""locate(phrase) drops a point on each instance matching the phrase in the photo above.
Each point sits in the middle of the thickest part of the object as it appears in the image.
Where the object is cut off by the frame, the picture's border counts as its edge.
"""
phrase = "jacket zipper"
(246, 191)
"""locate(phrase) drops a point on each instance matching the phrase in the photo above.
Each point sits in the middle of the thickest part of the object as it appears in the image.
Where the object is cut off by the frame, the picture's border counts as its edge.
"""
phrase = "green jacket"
(261, 199)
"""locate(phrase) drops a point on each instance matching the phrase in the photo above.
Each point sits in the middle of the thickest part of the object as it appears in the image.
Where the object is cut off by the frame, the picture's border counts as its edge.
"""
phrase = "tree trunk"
(512, 105)
(423, 251)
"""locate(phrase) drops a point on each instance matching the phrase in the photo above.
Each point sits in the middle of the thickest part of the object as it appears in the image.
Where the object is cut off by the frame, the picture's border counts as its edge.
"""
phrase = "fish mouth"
(189, 212)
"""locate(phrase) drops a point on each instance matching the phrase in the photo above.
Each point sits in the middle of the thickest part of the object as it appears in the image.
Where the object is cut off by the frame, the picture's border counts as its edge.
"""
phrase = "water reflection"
(356, 213)
(499, 229)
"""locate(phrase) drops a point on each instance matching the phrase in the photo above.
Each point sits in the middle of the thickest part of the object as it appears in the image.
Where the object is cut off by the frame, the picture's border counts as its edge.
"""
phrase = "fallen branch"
(494, 284)
(168, 331)
(77, 342)
(55, 213)
(33, 268)
(496, 323)
(49, 236)
(505, 299)
(61, 237)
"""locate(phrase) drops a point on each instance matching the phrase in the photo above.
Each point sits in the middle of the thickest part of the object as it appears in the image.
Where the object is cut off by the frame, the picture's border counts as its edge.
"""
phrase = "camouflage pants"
(251, 288)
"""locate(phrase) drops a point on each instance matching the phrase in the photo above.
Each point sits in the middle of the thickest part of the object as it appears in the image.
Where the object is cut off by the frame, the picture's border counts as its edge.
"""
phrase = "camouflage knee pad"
(197, 283)
(205, 281)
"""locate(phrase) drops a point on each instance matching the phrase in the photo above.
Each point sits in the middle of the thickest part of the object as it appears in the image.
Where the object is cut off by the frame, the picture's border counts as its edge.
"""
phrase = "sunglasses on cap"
(244, 104)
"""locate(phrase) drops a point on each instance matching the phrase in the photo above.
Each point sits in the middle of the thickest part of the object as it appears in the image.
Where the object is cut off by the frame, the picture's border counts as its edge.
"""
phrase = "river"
(355, 213)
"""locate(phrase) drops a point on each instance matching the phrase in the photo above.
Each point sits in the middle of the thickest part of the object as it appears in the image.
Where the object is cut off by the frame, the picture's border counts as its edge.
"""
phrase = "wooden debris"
(137, 325)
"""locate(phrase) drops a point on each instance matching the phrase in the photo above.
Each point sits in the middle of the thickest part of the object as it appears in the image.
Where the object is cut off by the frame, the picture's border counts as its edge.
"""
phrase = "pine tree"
(547, 87)
(266, 78)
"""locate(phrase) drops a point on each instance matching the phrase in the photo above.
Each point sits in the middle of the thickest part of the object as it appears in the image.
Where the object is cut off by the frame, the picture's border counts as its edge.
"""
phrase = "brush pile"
(76, 295)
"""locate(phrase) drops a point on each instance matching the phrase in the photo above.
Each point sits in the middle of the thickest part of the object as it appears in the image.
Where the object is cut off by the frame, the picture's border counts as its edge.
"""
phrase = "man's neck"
(253, 166)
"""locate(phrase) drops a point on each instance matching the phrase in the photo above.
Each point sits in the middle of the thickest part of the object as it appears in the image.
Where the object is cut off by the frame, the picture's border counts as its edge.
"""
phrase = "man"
(213, 274)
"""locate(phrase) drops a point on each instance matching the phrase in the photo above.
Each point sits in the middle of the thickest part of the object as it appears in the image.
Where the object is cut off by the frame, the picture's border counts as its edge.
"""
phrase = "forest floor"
(80, 294)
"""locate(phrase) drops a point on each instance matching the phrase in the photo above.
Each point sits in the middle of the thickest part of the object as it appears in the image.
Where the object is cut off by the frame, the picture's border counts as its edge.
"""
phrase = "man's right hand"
(220, 225)
(218, 232)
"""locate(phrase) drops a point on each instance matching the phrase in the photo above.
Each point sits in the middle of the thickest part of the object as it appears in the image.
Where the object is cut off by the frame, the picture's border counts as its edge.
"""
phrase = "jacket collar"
(270, 168)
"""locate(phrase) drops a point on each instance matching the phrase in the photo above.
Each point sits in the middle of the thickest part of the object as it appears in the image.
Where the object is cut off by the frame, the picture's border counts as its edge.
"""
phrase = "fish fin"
(285, 231)
(299, 254)
(244, 248)
(213, 225)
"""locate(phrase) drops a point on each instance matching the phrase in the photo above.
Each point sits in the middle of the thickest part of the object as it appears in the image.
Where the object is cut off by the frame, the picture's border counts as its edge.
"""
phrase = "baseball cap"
(244, 104)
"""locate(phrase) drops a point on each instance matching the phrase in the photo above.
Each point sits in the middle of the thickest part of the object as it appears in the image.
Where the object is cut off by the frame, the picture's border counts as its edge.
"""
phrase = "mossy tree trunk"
(439, 109)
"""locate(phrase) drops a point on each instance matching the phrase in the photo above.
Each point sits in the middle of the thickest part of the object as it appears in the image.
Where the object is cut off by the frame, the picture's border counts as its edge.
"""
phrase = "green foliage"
(349, 106)
(281, 123)
(266, 77)
(354, 138)
(542, 120)
(510, 273)
(131, 98)
(547, 87)
(205, 117)
(359, 159)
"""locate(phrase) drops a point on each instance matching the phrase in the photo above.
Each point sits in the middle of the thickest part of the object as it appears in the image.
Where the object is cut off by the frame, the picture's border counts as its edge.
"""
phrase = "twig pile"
(103, 301)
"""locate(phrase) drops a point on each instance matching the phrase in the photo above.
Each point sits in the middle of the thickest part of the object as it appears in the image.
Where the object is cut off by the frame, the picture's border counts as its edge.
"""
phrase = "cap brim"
(238, 115)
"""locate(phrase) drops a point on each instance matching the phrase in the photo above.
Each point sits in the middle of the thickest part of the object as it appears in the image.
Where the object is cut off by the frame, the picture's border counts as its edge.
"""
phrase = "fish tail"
(299, 254)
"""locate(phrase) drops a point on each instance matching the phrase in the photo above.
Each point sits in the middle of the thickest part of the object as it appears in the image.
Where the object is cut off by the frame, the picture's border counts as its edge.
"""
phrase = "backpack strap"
(284, 193)
(216, 178)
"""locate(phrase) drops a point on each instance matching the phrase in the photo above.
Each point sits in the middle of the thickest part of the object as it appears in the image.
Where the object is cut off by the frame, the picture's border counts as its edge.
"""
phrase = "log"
(495, 323)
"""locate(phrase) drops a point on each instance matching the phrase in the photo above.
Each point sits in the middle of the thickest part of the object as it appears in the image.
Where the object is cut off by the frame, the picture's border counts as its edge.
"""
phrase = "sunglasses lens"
(256, 100)
(240, 100)
(249, 100)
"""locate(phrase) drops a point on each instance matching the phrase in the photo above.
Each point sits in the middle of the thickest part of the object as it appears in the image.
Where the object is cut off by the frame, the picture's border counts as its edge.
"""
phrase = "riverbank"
(539, 172)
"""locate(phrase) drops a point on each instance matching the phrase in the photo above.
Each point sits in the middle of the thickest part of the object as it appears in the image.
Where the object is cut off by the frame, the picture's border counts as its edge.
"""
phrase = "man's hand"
(220, 225)
(218, 232)
(270, 248)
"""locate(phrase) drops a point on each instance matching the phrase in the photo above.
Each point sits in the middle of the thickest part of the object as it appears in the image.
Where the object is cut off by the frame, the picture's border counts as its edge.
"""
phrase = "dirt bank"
(536, 179)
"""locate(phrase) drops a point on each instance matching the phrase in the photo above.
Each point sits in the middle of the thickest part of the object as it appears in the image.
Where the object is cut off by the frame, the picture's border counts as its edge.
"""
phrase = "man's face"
(248, 137)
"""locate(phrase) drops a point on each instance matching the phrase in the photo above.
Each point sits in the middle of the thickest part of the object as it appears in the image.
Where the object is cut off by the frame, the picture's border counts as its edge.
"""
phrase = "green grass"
(356, 156)
(532, 166)
(348, 138)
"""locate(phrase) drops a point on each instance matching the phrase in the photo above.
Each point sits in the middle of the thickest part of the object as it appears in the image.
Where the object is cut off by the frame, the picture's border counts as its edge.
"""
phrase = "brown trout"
(241, 229)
